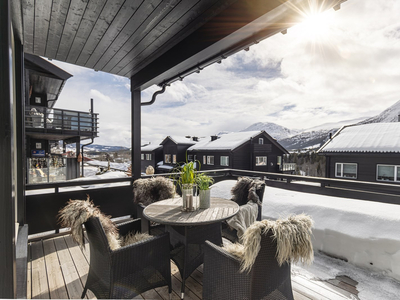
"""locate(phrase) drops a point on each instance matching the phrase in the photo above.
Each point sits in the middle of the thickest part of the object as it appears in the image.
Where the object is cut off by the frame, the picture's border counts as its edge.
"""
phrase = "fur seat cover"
(245, 190)
(147, 191)
(77, 212)
(292, 235)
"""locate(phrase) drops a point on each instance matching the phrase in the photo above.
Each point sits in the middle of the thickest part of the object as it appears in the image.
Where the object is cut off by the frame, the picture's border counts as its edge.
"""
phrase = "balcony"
(40, 120)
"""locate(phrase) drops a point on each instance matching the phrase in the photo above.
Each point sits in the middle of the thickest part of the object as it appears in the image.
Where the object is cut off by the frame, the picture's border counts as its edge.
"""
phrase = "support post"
(136, 132)
(7, 205)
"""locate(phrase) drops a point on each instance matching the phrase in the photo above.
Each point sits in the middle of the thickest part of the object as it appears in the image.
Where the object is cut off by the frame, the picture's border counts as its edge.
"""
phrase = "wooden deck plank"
(29, 275)
(40, 288)
(343, 286)
(54, 274)
(298, 296)
(71, 276)
(81, 264)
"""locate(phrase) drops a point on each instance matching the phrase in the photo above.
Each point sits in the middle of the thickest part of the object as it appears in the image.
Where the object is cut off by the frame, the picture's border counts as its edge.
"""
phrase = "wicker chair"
(231, 234)
(127, 271)
(266, 279)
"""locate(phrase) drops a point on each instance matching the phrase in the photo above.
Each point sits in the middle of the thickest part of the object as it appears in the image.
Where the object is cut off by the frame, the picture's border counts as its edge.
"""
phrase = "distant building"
(150, 156)
(369, 152)
(248, 150)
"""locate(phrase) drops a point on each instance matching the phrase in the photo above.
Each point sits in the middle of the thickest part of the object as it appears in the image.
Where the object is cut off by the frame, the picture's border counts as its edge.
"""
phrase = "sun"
(316, 26)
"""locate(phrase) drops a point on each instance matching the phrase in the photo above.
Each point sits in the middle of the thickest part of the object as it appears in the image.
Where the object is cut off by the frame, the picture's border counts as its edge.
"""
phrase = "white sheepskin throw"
(77, 212)
(147, 191)
(245, 190)
(292, 235)
(246, 216)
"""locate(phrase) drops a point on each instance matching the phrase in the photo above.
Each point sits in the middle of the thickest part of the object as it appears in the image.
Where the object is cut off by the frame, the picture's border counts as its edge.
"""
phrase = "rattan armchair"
(265, 280)
(231, 234)
(129, 270)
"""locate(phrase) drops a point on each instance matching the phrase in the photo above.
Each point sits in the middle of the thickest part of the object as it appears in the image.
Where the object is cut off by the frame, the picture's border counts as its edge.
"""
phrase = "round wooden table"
(169, 212)
(189, 230)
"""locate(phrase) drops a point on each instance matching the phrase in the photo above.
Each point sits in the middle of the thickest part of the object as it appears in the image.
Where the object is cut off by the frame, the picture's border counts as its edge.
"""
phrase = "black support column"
(136, 133)
(7, 215)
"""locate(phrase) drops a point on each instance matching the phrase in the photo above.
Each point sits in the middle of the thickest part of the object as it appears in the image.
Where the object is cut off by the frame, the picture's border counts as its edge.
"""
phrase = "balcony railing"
(61, 120)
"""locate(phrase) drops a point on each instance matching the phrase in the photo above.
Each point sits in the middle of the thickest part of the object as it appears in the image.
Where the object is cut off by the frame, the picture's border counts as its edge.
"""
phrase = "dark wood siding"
(267, 149)
(366, 164)
(217, 159)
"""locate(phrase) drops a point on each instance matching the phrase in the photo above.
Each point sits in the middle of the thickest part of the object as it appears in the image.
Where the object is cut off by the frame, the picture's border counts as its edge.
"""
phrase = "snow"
(150, 147)
(113, 165)
(374, 137)
(180, 140)
(227, 141)
(364, 233)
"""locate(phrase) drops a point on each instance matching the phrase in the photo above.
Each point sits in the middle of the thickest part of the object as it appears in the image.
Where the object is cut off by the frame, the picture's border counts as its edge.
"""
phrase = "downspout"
(153, 98)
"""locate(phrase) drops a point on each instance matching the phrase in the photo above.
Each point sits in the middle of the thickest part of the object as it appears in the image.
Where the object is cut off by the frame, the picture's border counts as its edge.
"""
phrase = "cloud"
(298, 80)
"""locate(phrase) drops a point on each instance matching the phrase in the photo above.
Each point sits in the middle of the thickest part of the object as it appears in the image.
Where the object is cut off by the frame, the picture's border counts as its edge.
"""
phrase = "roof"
(229, 141)
(151, 147)
(153, 42)
(375, 137)
(179, 140)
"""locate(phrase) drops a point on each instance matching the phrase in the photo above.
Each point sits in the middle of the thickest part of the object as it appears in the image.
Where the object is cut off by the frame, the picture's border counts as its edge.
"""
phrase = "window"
(174, 159)
(346, 170)
(224, 160)
(261, 160)
(190, 157)
(167, 158)
(142, 156)
(204, 160)
(388, 173)
(261, 141)
(210, 160)
(148, 156)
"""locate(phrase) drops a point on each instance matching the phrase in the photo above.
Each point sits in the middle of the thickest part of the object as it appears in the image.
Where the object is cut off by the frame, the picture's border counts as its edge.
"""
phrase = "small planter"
(204, 196)
(189, 197)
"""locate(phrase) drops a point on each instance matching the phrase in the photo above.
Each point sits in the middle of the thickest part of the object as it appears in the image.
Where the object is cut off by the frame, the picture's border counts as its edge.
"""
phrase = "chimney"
(195, 138)
(213, 137)
(398, 118)
(330, 135)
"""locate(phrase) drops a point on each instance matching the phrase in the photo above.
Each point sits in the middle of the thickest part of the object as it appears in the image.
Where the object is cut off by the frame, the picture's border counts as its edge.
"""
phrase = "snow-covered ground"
(364, 233)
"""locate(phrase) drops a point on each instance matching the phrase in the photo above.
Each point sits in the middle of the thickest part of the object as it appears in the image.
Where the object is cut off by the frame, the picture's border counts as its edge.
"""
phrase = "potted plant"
(203, 182)
(187, 184)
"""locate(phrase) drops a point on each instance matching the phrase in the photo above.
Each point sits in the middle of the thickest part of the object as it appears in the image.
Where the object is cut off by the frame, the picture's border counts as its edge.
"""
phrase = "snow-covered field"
(364, 233)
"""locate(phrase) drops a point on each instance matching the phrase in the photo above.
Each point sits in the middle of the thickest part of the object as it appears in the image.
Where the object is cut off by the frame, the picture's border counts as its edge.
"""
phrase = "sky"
(336, 66)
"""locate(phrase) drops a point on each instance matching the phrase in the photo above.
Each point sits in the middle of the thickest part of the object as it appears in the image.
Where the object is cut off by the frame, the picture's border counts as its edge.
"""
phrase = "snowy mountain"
(276, 131)
(388, 115)
(98, 148)
(308, 139)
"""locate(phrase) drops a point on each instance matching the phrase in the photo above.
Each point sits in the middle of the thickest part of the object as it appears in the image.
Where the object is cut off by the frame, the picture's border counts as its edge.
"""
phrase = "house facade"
(151, 155)
(249, 150)
(368, 152)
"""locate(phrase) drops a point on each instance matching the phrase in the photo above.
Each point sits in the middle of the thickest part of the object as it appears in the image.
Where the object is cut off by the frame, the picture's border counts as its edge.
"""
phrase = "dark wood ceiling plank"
(193, 21)
(59, 13)
(181, 28)
(159, 31)
(118, 24)
(29, 24)
(74, 18)
(141, 16)
(106, 18)
(92, 12)
(42, 21)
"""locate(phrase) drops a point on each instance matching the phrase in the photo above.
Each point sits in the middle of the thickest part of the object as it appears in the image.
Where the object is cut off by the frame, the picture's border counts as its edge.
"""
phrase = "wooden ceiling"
(150, 41)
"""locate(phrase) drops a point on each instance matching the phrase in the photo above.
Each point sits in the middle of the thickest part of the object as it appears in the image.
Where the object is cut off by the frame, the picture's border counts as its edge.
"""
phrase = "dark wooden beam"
(136, 133)
(7, 223)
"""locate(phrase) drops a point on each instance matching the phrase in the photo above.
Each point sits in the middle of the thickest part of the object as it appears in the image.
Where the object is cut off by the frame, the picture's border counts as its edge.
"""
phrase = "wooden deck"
(58, 269)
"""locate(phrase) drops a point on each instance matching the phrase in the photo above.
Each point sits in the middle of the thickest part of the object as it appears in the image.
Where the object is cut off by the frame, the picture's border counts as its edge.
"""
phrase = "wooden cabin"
(248, 150)
(368, 152)
(151, 155)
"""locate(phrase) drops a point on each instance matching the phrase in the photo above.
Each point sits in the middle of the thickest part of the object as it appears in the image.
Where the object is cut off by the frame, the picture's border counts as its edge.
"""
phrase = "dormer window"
(261, 141)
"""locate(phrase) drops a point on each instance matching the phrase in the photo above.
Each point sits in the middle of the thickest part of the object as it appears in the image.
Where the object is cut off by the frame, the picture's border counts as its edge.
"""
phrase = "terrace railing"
(83, 123)
(115, 196)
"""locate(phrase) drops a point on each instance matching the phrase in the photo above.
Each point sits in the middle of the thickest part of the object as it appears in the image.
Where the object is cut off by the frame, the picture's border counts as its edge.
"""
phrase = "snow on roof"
(227, 141)
(150, 147)
(374, 137)
(181, 139)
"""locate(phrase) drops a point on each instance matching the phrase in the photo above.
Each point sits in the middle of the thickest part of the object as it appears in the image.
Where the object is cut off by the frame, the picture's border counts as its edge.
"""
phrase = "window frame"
(395, 177)
(227, 160)
(261, 141)
(167, 161)
(342, 168)
(258, 161)
(174, 158)
(142, 156)
(209, 160)
(204, 159)
(148, 156)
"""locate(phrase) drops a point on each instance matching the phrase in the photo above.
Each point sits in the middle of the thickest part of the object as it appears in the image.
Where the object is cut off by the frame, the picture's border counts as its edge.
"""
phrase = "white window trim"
(204, 160)
(174, 158)
(395, 173)
(258, 162)
(227, 160)
(148, 156)
(167, 161)
(142, 156)
(209, 159)
(341, 175)
(261, 141)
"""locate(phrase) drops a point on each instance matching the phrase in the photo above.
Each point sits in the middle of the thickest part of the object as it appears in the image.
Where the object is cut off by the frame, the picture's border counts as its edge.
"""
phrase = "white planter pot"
(204, 196)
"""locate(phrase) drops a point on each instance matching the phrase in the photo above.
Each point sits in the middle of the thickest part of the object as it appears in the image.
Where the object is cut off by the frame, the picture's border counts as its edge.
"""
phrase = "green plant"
(187, 173)
(204, 181)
